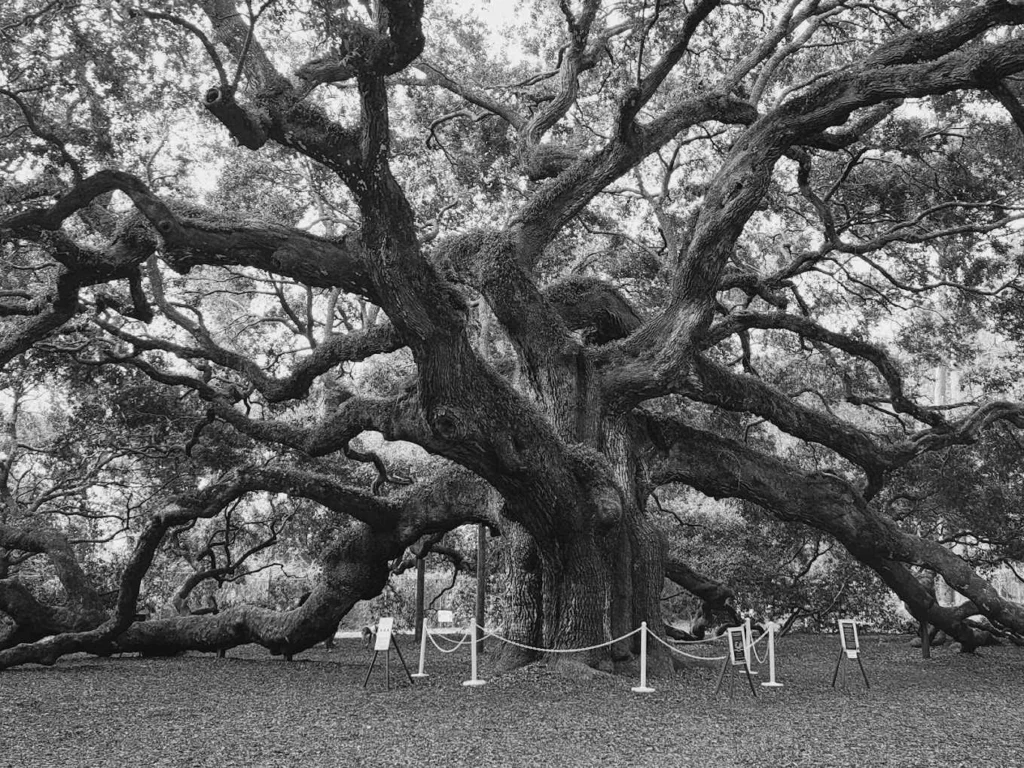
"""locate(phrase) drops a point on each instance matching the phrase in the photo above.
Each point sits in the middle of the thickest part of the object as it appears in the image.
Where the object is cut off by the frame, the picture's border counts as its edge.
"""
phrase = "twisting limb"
(808, 329)
(98, 639)
(84, 607)
(390, 48)
(713, 593)
(721, 467)
(232, 567)
(211, 50)
(772, 54)
(640, 95)
(1010, 102)
(434, 76)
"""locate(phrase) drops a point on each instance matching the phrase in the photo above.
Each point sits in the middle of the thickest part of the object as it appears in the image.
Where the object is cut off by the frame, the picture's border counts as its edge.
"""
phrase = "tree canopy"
(574, 252)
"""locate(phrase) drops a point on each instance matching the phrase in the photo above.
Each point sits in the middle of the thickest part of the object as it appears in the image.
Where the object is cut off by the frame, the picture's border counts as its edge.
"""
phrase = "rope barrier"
(753, 648)
(684, 653)
(475, 630)
(462, 641)
(448, 637)
(559, 650)
(699, 642)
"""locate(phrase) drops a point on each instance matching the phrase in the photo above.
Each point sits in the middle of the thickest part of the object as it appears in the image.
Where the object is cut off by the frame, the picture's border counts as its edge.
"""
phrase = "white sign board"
(848, 637)
(384, 627)
(445, 617)
(737, 646)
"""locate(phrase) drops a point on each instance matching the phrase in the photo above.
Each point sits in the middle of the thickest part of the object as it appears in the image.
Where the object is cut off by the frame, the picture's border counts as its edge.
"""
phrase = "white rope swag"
(471, 636)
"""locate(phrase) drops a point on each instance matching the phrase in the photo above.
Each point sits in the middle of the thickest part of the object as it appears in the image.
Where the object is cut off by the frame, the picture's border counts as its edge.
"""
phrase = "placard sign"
(737, 646)
(445, 617)
(383, 642)
(384, 627)
(848, 637)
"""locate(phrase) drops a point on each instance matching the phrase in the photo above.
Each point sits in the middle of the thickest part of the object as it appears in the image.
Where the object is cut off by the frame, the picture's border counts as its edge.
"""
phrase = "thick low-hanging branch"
(355, 565)
(863, 350)
(722, 467)
(98, 639)
(390, 48)
(338, 349)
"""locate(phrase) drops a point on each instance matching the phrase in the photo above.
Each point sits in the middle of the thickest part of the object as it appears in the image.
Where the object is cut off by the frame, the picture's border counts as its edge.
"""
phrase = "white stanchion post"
(748, 646)
(642, 688)
(423, 649)
(771, 682)
(474, 680)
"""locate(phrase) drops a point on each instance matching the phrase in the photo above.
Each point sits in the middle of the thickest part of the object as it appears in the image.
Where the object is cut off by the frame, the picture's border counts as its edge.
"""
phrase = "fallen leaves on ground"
(251, 709)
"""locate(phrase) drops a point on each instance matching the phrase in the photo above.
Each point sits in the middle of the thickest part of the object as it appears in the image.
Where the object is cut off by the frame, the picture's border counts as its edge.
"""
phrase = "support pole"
(423, 649)
(862, 672)
(753, 690)
(421, 571)
(771, 682)
(926, 641)
(835, 672)
(372, 662)
(643, 688)
(401, 658)
(481, 583)
(721, 675)
(473, 680)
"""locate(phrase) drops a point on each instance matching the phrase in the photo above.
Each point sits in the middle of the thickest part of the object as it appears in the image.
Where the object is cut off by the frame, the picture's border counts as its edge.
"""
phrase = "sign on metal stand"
(385, 641)
(850, 649)
(738, 657)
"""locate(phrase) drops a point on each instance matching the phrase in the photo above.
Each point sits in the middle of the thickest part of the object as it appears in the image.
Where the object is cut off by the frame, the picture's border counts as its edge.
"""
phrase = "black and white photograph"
(511, 383)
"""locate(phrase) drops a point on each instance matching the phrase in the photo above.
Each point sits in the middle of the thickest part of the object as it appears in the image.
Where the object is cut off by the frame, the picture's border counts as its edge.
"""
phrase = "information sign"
(848, 637)
(850, 650)
(445, 617)
(384, 628)
(383, 642)
(737, 646)
(737, 658)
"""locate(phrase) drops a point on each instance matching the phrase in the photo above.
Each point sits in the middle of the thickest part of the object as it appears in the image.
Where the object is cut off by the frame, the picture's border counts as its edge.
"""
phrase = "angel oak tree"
(810, 173)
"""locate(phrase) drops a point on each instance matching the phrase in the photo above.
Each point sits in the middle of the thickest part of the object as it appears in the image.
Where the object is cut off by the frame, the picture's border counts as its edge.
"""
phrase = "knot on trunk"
(594, 305)
(247, 129)
(448, 424)
(545, 161)
(594, 474)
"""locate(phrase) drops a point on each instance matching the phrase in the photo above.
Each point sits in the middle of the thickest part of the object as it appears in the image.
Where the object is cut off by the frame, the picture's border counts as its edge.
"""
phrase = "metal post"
(481, 583)
(423, 648)
(771, 682)
(748, 641)
(421, 569)
(473, 679)
(642, 688)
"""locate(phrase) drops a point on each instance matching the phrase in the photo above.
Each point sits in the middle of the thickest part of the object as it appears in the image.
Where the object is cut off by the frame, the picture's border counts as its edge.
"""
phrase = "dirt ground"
(251, 709)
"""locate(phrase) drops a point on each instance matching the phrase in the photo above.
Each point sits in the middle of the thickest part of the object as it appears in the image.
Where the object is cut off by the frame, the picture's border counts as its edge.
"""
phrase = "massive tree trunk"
(522, 598)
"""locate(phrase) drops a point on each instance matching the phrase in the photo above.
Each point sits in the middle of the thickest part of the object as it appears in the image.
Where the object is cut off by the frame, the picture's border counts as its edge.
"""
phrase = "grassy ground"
(254, 710)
